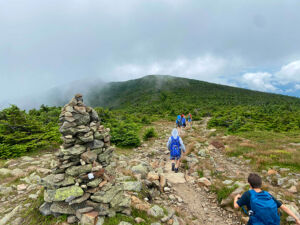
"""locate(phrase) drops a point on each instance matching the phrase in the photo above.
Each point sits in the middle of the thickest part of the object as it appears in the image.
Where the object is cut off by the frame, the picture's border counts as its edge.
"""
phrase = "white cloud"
(206, 68)
(289, 73)
(218, 70)
(261, 81)
(297, 87)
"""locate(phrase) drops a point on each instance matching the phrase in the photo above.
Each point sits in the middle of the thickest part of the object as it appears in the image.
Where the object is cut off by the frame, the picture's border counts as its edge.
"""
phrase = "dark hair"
(254, 180)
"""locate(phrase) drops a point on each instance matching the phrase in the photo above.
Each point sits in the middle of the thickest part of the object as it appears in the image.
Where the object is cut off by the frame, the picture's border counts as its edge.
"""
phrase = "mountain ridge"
(155, 88)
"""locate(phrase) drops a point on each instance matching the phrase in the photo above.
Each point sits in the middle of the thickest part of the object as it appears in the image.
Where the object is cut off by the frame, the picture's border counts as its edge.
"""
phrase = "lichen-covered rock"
(132, 186)
(75, 150)
(57, 180)
(120, 201)
(140, 169)
(62, 194)
(94, 183)
(45, 209)
(156, 211)
(89, 218)
(83, 198)
(89, 156)
(106, 196)
(62, 208)
(88, 137)
(105, 157)
(76, 170)
(5, 172)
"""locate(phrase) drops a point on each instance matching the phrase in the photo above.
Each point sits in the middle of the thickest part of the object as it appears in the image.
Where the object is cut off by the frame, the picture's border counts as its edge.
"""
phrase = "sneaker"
(173, 166)
(176, 170)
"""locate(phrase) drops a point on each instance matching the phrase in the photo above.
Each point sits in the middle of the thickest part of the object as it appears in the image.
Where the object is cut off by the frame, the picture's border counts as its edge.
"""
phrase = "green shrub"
(125, 135)
(22, 132)
(146, 120)
(149, 133)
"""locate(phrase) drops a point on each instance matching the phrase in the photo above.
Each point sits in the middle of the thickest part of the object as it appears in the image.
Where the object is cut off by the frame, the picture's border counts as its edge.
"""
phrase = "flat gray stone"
(156, 211)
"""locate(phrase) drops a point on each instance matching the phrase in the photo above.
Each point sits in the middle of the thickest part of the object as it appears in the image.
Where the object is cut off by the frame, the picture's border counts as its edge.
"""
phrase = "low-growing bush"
(125, 135)
(149, 133)
(22, 132)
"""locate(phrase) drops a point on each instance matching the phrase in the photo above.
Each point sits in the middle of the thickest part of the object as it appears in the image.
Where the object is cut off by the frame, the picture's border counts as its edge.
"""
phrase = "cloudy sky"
(253, 44)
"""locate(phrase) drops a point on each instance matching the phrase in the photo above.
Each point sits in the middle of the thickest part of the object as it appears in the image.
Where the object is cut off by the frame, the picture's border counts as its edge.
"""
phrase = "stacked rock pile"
(82, 184)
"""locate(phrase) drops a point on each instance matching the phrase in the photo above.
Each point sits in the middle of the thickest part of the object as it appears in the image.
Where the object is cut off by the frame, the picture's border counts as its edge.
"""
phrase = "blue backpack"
(183, 120)
(178, 120)
(264, 209)
(175, 147)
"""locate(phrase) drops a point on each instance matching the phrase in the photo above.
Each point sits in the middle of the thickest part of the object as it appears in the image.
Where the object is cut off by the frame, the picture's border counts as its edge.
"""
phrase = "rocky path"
(188, 196)
(195, 202)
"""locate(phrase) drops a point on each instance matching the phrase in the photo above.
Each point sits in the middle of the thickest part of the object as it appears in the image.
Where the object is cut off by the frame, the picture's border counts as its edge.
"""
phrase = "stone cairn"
(82, 184)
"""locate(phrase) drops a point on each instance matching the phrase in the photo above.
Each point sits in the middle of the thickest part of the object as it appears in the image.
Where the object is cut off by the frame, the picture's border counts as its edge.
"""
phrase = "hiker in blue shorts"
(179, 123)
(262, 207)
(175, 146)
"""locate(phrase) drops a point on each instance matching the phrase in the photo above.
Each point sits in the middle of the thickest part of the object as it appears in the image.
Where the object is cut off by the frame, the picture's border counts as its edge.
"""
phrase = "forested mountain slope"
(236, 109)
(168, 89)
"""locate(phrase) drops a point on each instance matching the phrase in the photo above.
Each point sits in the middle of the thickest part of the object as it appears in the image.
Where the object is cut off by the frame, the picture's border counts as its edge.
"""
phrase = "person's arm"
(236, 198)
(168, 144)
(290, 213)
(182, 145)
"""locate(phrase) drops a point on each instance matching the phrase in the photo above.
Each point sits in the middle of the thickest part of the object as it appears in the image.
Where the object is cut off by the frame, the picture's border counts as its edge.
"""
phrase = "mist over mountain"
(156, 90)
(57, 96)
(151, 89)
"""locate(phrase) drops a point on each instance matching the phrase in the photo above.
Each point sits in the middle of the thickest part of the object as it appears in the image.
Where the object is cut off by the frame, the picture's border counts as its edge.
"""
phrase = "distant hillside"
(154, 90)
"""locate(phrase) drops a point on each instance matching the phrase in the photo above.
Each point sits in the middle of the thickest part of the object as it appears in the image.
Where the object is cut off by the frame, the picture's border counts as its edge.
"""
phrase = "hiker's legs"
(173, 164)
(177, 163)
(179, 130)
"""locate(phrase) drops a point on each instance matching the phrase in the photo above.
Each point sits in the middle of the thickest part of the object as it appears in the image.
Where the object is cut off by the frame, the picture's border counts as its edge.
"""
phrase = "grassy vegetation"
(222, 191)
(266, 148)
(130, 219)
(127, 107)
(149, 133)
(200, 173)
(185, 164)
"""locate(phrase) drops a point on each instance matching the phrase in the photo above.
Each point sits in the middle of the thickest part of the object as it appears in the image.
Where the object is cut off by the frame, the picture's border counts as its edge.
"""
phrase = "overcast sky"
(253, 44)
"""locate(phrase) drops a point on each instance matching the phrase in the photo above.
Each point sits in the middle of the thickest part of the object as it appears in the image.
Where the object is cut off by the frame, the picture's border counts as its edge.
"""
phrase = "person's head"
(254, 180)
(175, 133)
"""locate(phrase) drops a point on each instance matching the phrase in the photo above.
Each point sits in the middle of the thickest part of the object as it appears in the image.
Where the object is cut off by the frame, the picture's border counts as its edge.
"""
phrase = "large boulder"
(132, 186)
(120, 201)
(140, 169)
(156, 211)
